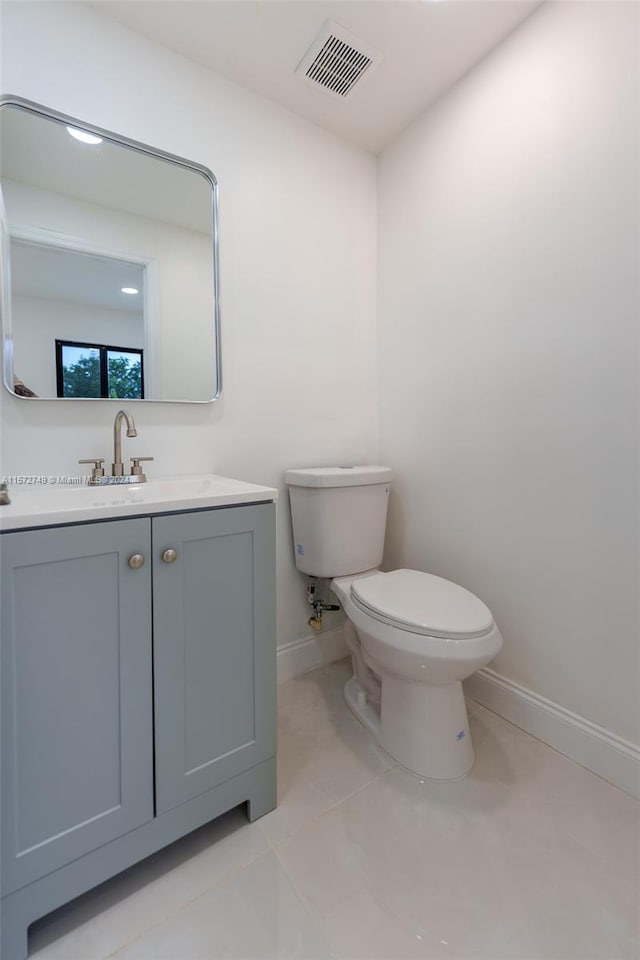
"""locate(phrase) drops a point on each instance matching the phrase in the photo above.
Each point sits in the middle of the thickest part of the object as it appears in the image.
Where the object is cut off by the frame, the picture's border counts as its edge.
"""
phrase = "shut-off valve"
(319, 606)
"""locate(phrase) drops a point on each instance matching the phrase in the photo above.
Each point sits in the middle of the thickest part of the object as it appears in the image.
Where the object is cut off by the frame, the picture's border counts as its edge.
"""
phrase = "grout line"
(314, 914)
(170, 914)
(331, 808)
(222, 881)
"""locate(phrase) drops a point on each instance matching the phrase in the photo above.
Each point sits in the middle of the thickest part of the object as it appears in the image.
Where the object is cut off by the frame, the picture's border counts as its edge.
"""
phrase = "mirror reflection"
(78, 323)
(110, 250)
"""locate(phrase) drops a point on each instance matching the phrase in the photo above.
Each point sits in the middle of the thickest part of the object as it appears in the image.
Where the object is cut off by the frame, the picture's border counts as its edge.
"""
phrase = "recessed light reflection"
(83, 136)
(129, 290)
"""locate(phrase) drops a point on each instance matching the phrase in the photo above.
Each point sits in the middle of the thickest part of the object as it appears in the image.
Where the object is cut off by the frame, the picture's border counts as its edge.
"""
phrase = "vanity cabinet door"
(214, 648)
(76, 695)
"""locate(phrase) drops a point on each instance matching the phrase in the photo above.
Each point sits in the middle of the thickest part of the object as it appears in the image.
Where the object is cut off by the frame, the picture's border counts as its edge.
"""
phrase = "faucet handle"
(98, 470)
(136, 469)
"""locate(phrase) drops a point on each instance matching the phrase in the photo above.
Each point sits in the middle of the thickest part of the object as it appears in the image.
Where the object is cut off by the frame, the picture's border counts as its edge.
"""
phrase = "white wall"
(507, 333)
(298, 261)
(508, 344)
(38, 323)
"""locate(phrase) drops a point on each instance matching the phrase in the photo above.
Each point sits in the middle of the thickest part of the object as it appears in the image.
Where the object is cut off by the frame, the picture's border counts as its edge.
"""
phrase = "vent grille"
(337, 60)
(338, 66)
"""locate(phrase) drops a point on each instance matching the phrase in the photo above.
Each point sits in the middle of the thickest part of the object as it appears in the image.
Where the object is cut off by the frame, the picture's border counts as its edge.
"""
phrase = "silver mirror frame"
(5, 295)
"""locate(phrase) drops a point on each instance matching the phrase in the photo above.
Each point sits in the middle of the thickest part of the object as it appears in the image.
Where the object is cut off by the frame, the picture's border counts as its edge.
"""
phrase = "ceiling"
(56, 274)
(426, 45)
(39, 152)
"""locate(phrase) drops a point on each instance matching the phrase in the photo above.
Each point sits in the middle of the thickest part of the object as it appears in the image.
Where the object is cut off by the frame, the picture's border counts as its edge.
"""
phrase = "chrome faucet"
(117, 467)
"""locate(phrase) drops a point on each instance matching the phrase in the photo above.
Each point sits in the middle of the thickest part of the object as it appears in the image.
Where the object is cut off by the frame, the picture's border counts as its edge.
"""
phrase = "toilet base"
(425, 727)
(422, 726)
(367, 713)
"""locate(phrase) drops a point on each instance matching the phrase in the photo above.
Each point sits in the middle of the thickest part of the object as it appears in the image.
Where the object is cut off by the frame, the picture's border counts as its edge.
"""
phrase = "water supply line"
(319, 606)
(370, 687)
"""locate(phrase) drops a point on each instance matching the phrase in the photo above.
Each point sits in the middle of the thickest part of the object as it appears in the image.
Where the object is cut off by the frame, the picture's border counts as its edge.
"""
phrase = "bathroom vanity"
(138, 678)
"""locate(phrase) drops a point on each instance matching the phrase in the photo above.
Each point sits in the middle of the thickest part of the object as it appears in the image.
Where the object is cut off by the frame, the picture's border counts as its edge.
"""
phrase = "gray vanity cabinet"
(137, 701)
(76, 693)
(214, 676)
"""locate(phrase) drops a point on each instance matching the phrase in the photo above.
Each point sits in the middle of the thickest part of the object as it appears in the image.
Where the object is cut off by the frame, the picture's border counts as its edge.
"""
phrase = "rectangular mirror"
(109, 264)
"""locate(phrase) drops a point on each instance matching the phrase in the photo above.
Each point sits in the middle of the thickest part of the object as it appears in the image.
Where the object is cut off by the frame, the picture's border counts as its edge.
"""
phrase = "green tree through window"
(94, 370)
(82, 379)
(125, 377)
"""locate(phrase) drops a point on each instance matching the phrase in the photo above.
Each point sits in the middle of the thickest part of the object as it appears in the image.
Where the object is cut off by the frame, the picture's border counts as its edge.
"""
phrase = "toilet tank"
(339, 516)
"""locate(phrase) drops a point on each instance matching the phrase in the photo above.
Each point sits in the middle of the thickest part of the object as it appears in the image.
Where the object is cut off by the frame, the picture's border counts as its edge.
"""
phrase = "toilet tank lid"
(337, 476)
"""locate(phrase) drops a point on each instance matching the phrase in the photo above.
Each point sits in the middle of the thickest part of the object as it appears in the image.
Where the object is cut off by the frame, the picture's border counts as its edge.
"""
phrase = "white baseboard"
(611, 757)
(310, 652)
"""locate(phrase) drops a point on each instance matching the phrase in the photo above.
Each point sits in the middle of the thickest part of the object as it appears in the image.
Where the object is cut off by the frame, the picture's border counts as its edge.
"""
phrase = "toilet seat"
(421, 603)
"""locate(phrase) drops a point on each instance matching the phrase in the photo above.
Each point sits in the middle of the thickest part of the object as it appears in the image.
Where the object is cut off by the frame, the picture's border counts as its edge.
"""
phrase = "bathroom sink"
(45, 504)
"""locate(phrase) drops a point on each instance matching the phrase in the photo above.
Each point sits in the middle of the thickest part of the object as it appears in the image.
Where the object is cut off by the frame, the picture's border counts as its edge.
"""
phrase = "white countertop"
(45, 505)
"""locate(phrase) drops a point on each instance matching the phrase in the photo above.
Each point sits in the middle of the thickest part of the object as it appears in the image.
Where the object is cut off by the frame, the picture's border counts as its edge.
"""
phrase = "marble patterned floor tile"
(298, 803)
(104, 919)
(531, 892)
(361, 928)
(320, 742)
(256, 914)
(530, 857)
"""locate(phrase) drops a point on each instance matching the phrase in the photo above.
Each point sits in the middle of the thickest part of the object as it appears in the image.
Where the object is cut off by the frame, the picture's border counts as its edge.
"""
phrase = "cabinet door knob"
(169, 556)
(136, 560)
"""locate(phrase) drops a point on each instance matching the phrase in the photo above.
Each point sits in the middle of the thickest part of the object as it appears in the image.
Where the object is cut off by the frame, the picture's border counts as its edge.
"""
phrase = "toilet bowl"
(413, 637)
(420, 635)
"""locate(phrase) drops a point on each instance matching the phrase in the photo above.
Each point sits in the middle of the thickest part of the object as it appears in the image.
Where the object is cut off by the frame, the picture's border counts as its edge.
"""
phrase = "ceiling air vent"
(337, 60)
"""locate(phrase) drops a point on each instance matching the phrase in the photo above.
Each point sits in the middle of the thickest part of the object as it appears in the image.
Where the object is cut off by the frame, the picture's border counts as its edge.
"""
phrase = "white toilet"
(413, 637)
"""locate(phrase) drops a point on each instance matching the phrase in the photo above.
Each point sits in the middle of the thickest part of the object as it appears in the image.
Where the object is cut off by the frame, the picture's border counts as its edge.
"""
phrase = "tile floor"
(531, 856)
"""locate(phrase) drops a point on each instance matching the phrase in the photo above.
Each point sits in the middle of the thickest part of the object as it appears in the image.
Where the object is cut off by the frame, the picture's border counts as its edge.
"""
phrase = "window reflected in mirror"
(68, 308)
(96, 370)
